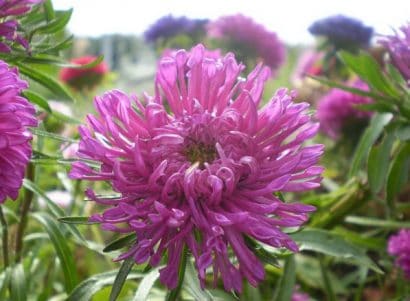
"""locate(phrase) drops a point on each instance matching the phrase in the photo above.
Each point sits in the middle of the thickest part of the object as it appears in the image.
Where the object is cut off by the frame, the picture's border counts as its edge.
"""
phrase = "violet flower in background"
(16, 114)
(297, 295)
(170, 26)
(399, 246)
(309, 63)
(196, 166)
(336, 110)
(398, 46)
(9, 10)
(254, 39)
(342, 30)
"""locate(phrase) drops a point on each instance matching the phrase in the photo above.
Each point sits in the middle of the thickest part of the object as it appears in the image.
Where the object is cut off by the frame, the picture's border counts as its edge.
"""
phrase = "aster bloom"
(16, 114)
(243, 32)
(9, 10)
(336, 110)
(342, 30)
(80, 78)
(196, 166)
(170, 26)
(399, 246)
(399, 50)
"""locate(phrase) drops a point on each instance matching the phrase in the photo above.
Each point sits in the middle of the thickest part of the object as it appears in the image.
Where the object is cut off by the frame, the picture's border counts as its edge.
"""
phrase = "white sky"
(289, 18)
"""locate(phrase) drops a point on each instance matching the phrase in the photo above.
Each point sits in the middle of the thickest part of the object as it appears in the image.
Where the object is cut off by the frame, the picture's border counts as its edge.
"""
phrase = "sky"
(289, 18)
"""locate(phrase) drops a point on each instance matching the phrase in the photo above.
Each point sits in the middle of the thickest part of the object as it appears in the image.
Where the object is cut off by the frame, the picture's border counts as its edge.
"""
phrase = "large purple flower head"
(250, 38)
(342, 30)
(399, 50)
(336, 110)
(9, 10)
(197, 165)
(16, 114)
(399, 246)
(169, 26)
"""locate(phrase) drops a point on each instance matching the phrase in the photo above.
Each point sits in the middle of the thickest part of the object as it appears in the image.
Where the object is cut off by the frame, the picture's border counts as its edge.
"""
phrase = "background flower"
(249, 39)
(203, 175)
(16, 114)
(399, 246)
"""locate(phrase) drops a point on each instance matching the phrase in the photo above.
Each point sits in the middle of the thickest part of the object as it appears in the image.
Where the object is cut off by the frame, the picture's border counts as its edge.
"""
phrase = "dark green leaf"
(121, 278)
(120, 243)
(329, 243)
(399, 172)
(374, 222)
(79, 220)
(45, 80)
(86, 289)
(49, 10)
(37, 99)
(368, 138)
(18, 283)
(146, 285)
(192, 285)
(286, 284)
(63, 251)
(378, 163)
(56, 24)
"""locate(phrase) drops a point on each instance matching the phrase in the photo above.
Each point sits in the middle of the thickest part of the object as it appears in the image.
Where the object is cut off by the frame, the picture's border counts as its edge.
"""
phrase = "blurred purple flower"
(342, 30)
(309, 63)
(16, 114)
(399, 246)
(299, 296)
(244, 32)
(9, 27)
(196, 166)
(336, 109)
(169, 26)
(399, 50)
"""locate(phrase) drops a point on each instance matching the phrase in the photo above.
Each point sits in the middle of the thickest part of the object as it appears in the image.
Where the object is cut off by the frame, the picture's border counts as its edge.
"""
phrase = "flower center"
(200, 152)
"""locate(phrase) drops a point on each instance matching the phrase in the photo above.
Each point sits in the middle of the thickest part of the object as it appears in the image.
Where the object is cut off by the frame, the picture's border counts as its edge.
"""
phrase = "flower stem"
(25, 207)
(5, 238)
(173, 295)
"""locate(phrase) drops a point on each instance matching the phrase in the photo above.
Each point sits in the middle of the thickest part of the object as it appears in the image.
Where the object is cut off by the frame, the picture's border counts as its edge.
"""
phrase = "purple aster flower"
(399, 50)
(9, 27)
(196, 166)
(336, 110)
(342, 30)
(170, 26)
(249, 37)
(399, 246)
(16, 114)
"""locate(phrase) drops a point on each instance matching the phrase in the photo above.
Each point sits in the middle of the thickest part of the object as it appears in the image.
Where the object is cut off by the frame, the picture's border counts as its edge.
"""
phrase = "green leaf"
(79, 220)
(399, 172)
(55, 25)
(329, 243)
(65, 118)
(121, 278)
(52, 135)
(378, 163)
(120, 243)
(86, 289)
(191, 284)
(286, 284)
(37, 99)
(370, 135)
(45, 80)
(367, 68)
(49, 10)
(146, 285)
(374, 222)
(18, 283)
(55, 210)
(5, 278)
(403, 132)
(63, 251)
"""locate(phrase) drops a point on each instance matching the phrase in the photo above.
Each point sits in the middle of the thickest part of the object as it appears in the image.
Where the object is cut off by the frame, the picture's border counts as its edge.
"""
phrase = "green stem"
(328, 285)
(5, 238)
(173, 295)
(25, 207)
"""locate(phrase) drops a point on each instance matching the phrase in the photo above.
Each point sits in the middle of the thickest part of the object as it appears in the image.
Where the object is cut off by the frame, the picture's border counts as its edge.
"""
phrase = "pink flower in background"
(9, 10)
(399, 246)
(297, 295)
(80, 78)
(336, 110)
(245, 33)
(16, 114)
(309, 63)
(196, 166)
(398, 46)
